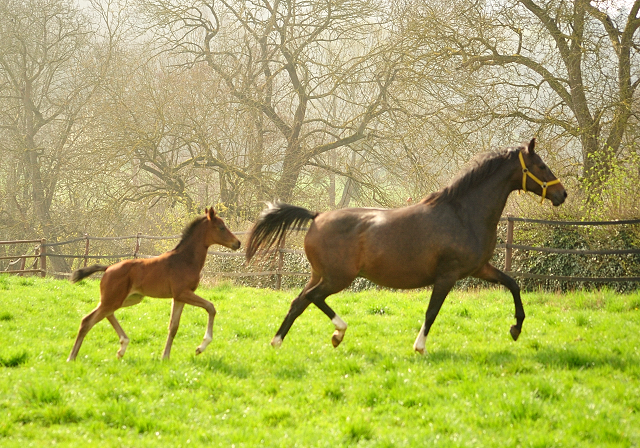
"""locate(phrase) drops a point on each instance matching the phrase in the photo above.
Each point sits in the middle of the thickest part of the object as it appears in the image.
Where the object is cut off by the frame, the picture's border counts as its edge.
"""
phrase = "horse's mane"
(188, 231)
(482, 166)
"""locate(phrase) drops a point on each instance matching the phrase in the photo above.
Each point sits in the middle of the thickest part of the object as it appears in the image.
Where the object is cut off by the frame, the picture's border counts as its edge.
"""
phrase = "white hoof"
(205, 342)
(276, 342)
(124, 343)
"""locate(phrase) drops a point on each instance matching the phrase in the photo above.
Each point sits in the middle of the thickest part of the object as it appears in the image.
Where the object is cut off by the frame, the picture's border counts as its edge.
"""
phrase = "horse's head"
(537, 177)
(218, 233)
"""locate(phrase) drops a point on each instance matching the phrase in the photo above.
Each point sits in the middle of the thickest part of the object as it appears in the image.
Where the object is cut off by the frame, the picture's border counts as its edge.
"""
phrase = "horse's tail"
(273, 224)
(78, 275)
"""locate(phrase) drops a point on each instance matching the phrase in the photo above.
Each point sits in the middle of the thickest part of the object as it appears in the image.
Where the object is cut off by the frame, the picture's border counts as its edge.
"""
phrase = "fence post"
(86, 249)
(137, 249)
(508, 246)
(280, 264)
(43, 257)
(23, 263)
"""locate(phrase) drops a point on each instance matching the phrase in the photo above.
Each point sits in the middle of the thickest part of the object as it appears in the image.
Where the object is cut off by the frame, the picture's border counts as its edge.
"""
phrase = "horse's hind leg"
(87, 324)
(298, 305)
(494, 275)
(176, 312)
(441, 288)
(124, 340)
(315, 292)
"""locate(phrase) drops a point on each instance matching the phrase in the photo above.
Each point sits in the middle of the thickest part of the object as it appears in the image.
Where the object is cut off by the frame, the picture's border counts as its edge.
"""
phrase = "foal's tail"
(78, 275)
(273, 224)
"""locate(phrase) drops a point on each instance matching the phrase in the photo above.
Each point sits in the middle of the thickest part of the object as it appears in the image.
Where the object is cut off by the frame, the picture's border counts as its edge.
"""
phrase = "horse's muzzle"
(557, 196)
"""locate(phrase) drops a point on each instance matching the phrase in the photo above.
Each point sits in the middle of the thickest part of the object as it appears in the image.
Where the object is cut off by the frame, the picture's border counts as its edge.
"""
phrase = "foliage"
(570, 380)
(562, 237)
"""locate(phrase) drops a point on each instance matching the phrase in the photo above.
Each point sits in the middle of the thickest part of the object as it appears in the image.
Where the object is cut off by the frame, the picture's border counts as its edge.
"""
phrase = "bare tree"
(51, 64)
(570, 67)
(283, 63)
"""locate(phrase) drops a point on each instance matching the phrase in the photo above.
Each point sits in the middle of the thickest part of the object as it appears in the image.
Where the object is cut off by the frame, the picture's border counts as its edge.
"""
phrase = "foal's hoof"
(420, 350)
(337, 338)
(515, 332)
(276, 341)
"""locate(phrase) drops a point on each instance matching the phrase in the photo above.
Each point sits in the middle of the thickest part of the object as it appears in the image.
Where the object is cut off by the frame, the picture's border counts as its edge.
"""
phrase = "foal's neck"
(194, 249)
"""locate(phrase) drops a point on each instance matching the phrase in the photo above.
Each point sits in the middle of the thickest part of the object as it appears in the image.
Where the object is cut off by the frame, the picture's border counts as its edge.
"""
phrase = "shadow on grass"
(570, 358)
(575, 358)
(218, 364)
(14, 359)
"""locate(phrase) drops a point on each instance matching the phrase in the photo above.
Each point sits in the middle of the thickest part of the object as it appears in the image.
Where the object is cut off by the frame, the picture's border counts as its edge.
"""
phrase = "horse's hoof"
(337, 338)
(276, 342)
(419, 350)
(515, 332)
(198, 351)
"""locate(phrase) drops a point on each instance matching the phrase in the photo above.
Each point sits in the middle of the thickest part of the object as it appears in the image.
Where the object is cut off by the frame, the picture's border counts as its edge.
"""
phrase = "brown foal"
(174, 274)
(449, 235)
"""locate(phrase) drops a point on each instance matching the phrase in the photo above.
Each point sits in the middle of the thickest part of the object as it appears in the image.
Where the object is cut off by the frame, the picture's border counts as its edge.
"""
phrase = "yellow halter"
(526, 172)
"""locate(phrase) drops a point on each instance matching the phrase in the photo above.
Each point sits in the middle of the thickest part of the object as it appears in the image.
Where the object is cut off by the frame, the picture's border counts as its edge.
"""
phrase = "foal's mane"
(482, 166)
(188, 231)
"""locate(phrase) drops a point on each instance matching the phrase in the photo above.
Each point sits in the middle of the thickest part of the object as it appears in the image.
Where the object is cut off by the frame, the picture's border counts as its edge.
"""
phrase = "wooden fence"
(509, 246)
(18, 263)
(41, 253)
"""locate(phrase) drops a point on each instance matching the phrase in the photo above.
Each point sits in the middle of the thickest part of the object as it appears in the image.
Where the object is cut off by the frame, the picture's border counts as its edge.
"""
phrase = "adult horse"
(449, 235)
(174, 274)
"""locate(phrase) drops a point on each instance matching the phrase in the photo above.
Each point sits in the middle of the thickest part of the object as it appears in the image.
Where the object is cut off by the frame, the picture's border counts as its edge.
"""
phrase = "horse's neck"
(487, 200)
(193, 250)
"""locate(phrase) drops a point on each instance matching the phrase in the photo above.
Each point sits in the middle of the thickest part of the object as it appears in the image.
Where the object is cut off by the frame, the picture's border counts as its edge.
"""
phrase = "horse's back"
(407, 247)
(152, 277)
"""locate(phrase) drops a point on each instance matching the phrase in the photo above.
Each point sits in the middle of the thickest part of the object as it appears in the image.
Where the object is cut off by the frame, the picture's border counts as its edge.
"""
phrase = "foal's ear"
(532, 145)
(211, 213)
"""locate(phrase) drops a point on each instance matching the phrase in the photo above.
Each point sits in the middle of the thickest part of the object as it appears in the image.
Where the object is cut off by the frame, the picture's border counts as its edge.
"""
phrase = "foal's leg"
(494, 275)
(174, 322)
(191, 298)
(87, 324)
(441, 288)
(124, 340)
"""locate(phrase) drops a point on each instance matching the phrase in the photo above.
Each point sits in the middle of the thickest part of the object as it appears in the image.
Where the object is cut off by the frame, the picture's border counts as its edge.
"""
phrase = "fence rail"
(40, 255)
(508, 246)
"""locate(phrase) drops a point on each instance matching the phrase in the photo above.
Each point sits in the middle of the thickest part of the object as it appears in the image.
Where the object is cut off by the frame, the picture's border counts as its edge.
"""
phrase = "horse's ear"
(211, 213)
(532, 146)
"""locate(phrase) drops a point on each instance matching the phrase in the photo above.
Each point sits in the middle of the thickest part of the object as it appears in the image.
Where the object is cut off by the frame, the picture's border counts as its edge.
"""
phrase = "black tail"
(78, 275)
(273, 224)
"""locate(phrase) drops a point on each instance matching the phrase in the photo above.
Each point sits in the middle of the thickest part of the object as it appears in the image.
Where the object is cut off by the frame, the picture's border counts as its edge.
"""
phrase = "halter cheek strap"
(526, 172)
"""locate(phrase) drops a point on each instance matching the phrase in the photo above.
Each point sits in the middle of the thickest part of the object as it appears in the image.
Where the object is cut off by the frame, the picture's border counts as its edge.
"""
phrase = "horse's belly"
(132, 299)
(400, 277)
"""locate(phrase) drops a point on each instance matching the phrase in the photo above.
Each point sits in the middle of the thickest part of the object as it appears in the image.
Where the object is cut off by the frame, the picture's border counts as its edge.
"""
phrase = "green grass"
(571, 380)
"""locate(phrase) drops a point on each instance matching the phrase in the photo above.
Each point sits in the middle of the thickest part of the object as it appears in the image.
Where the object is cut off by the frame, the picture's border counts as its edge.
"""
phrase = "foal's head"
(535, 176)
(217, 232)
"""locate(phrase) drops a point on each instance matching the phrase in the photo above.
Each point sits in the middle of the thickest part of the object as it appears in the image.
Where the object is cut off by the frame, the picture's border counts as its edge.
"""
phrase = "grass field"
(571, 380)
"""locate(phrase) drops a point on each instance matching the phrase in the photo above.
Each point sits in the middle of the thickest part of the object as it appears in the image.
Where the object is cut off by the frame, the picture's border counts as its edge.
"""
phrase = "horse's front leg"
(174, 323)
(494, 275)
(191, 298)
(441, 288)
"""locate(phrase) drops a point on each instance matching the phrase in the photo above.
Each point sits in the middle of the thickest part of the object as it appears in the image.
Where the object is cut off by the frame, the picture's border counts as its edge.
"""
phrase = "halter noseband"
(526, 172)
